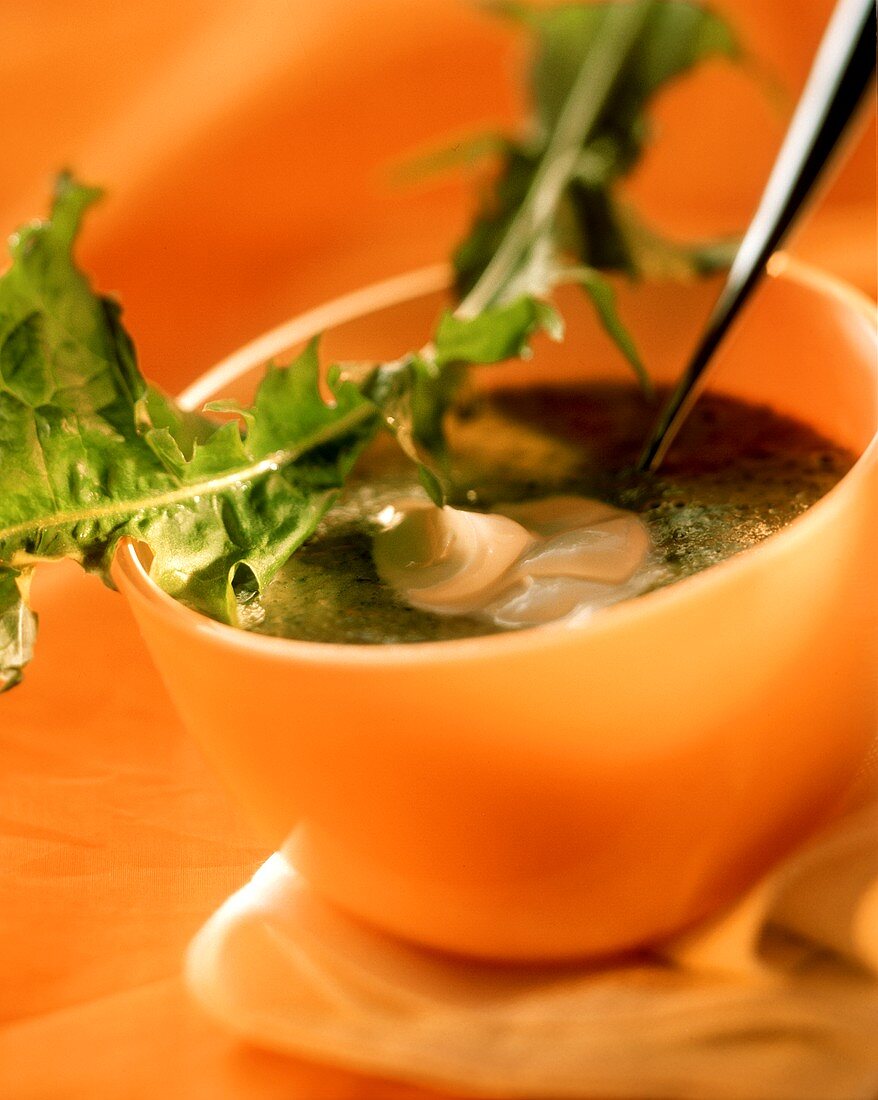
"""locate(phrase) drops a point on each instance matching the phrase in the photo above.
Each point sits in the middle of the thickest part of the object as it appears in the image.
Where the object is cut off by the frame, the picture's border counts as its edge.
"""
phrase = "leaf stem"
(210, 486)
(595, 80)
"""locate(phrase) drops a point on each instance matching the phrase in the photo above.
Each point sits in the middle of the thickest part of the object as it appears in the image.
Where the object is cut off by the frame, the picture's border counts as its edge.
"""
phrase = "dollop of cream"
(520, 564)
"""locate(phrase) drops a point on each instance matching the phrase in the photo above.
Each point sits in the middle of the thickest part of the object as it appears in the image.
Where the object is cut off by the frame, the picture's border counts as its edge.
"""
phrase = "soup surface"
(736, 474)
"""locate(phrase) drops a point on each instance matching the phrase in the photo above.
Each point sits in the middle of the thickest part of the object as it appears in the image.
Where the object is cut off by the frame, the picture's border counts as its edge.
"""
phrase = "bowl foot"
(733, 1012)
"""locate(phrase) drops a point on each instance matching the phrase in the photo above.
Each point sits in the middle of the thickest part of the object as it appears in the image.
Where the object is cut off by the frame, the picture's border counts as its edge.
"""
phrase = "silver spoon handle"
(839, 77)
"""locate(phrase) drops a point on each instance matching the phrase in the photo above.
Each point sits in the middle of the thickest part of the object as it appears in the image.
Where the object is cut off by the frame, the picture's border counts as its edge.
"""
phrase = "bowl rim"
(399, 290)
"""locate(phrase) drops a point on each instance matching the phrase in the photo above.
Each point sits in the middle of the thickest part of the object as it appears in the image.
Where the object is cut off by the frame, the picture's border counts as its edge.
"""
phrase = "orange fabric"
(116, 843)
(244, 145)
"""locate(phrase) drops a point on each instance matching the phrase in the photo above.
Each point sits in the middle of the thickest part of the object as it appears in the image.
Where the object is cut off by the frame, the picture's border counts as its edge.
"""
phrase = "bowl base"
(747, 1012)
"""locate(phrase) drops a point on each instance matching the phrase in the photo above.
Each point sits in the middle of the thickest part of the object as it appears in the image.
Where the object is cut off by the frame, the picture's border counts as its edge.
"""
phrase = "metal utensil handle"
(839, 77)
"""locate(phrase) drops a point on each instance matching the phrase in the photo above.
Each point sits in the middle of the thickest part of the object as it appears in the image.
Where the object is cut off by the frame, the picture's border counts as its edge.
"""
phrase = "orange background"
(245, 147)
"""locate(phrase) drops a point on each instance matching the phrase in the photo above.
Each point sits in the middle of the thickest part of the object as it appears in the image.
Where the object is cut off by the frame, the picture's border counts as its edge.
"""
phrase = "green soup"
(737, 473)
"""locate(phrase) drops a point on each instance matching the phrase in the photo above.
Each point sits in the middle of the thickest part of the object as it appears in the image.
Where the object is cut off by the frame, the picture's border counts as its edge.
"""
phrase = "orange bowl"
(568, 790)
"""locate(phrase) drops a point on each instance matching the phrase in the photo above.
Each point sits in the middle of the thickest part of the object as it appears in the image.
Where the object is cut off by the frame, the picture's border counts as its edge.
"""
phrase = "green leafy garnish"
(553, 209)
(413, 394)
(90, 453)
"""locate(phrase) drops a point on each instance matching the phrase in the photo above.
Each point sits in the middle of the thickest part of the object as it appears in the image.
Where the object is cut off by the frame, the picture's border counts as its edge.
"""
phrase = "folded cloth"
(775, 999)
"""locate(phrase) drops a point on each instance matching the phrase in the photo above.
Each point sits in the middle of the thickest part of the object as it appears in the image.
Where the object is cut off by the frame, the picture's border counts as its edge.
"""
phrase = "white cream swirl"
(519, 565)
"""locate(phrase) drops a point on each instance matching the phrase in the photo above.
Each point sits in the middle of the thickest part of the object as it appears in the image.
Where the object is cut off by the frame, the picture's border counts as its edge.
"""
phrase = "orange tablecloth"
(116, 843)
(243, 142)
